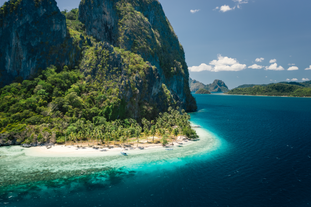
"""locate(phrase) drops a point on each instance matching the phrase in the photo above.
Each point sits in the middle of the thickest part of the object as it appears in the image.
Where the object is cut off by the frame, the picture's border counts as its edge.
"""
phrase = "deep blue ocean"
(264, 160)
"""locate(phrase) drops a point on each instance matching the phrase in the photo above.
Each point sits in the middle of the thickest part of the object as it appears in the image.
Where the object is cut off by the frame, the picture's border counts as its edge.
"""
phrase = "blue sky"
(223, 38)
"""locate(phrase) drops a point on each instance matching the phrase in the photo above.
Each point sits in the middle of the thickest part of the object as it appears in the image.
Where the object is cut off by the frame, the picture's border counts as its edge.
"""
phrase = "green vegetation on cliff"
(277, 89)
(202, 91)
(56, 105)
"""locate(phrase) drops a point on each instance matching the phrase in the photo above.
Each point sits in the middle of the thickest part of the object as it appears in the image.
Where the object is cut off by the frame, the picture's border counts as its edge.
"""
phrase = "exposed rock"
(142, 27)
(216, 86)
(33, 35)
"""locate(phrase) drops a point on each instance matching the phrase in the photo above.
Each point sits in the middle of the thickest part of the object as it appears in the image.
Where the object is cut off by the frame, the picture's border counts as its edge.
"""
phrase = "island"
(202, 91)
(293, 89)
(70, 79)
(217, 86)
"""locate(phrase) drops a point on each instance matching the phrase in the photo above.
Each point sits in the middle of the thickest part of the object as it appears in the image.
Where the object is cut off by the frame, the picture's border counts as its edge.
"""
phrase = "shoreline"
(268, 96)
(103, 151)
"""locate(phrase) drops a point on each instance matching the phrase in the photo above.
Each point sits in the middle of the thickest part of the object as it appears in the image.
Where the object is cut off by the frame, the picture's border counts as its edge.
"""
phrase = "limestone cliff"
(127, 47)
(216, 86)
(141, 27)
(33, 36)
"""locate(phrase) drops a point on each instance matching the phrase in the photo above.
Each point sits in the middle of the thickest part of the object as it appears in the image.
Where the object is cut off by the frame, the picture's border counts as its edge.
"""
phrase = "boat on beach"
(195, 126)
(123, 153)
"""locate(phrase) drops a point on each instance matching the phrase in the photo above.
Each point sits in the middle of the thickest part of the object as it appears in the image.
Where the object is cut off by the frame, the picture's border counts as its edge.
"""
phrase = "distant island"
(216, 86)
(202, 91)
(293, 89)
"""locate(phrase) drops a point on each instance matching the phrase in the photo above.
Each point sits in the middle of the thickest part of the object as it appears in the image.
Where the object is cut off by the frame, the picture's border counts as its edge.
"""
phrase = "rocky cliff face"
(141, 27)
(33, 36)
(216, 86)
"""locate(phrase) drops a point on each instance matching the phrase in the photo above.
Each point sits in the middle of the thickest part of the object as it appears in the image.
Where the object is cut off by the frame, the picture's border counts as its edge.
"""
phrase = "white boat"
(195, 126)
(123, 153)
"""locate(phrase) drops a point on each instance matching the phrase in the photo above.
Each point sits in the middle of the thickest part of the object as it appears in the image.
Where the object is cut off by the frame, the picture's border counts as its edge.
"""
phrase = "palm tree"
(123, 138)
(137, 133)
(175, 132)
(71, 136)
(164, 139)
(170, 132)
(125, 134)
(107, 138)
(81, 137)
(113, 134)
(153, 132)
(146, 132)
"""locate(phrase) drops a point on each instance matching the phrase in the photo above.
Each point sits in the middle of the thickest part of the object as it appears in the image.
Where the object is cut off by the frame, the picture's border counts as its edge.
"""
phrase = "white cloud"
(241, 1)
(194, 10)
(225, 8)
(291, 64)
(305, 79)
(293, 68)
(221, 64)
(293, 79)
(255, 66)
(309, 68)
(272, 61)
(259, 59)
(200, 68)
(274, 66)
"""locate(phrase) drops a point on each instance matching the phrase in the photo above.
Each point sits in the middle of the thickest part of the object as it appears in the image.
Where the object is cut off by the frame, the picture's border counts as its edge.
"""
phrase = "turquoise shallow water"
(261, 157)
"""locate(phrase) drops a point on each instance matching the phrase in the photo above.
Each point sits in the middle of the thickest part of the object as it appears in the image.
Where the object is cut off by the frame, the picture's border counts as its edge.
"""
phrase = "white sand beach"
(73, 151)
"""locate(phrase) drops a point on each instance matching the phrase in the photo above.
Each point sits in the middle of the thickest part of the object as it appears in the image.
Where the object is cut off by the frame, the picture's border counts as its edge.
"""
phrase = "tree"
(107, 138)
(137, 134)
(153, 132)
(123, 138)
(126, 134)
(146, 132)
(170, 129)
(175, 132)
(114, 136)
(164, 140)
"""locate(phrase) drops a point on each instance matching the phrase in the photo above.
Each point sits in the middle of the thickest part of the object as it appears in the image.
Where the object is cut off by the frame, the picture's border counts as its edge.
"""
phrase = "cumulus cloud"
(293, 79)
(194, 10)
(305, 79)
(225, 8)
(219, 65)
(309, 68)
(274, 66)
(200, 68)
(255, 66)
(272, 61)
(259, 60)
(293, 68)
